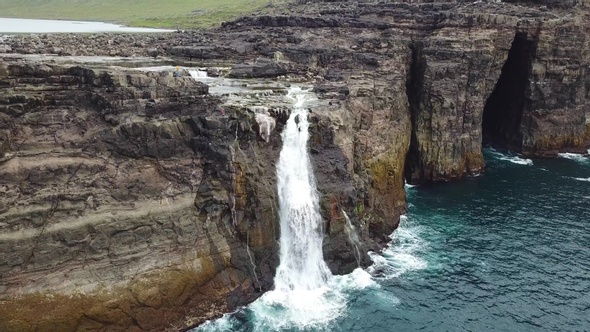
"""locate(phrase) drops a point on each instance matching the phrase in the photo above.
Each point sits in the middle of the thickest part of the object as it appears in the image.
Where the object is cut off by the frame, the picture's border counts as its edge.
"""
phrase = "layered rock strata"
(159, 212)
(458, 50)
(99, 228)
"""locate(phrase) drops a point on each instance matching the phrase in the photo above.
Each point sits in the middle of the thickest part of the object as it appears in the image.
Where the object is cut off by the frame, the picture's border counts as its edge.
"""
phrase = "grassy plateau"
(144, 13)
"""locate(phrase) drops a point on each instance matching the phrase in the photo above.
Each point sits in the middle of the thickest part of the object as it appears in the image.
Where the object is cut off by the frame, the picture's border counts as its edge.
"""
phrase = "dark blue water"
(505, 251)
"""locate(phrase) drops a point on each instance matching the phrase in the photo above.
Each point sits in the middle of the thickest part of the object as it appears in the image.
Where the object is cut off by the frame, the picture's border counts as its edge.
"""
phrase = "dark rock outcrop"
(160, 213)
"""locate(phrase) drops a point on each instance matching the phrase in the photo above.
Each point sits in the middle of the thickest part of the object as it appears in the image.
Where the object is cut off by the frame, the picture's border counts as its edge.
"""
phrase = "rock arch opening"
(504, 108)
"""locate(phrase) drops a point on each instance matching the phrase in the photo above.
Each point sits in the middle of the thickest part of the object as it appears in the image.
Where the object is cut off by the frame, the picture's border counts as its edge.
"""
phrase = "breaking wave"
(510, 157)
(402, 254)
(575, 156)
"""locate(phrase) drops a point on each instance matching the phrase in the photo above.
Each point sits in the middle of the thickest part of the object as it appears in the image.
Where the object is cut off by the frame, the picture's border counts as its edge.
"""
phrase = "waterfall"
(197, 73)
(302, 265)
(353, 238)
(306, 296)
(251, 257)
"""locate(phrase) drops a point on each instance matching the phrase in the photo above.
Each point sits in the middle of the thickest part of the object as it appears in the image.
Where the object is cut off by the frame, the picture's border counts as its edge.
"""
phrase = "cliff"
(99, 225)
(130, 203)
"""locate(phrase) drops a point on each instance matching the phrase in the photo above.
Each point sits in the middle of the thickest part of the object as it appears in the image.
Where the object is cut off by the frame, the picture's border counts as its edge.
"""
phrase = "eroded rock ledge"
(128, 202)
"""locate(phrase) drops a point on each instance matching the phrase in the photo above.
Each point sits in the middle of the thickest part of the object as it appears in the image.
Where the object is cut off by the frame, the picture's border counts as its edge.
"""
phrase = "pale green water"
(19, 25)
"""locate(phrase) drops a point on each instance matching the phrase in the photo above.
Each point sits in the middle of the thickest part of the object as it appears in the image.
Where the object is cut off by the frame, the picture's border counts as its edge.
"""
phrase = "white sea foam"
(358, 279)
(410, 190)
(217, 325)
(408, 186)
(517, 160)
(307, 309)
(389, 298)
(574, 156)
(302, 309)
(402, 254)
(582, 179)
(511, 158)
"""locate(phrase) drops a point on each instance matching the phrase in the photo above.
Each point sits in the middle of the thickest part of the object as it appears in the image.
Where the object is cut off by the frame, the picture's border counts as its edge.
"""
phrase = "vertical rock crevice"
(414, 171)
(504, 108)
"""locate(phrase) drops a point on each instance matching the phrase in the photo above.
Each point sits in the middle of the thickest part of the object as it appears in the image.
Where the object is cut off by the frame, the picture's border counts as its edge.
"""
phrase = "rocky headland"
(131, 199)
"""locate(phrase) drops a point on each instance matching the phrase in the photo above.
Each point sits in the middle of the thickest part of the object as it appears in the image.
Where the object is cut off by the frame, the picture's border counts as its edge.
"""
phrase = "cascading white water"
(353, 238)
(302, 265)
(197, 73)
(306, 296)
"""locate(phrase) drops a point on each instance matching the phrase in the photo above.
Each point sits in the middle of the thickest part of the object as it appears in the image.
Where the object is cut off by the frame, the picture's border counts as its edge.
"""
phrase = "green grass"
(146, 13)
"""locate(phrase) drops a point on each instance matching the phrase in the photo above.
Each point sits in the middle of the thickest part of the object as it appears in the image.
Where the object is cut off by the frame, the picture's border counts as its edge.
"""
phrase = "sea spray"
(583, 179)
(575, 156)
(403, 254)
(515, 159)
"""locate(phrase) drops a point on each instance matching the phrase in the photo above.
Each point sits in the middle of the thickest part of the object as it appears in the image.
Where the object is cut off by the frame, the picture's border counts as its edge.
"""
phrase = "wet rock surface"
(130, 201)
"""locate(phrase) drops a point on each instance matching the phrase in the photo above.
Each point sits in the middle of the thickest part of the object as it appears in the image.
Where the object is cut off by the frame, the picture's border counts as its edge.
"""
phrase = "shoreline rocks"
(132, 187)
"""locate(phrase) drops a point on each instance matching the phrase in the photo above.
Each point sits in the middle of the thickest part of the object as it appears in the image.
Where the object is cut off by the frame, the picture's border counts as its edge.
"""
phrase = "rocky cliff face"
(99, 177)
(130, 203)
(492, 66)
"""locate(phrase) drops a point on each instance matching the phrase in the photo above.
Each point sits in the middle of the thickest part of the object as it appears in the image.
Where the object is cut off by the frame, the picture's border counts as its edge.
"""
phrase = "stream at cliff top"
(504, 251)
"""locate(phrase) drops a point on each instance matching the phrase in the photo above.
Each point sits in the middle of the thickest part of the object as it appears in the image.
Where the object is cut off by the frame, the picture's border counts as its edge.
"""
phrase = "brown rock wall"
(157, 212)
(98, 227)
(557, 119)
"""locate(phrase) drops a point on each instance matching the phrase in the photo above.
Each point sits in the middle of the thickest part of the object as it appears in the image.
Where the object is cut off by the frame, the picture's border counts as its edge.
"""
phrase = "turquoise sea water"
(505, 251)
